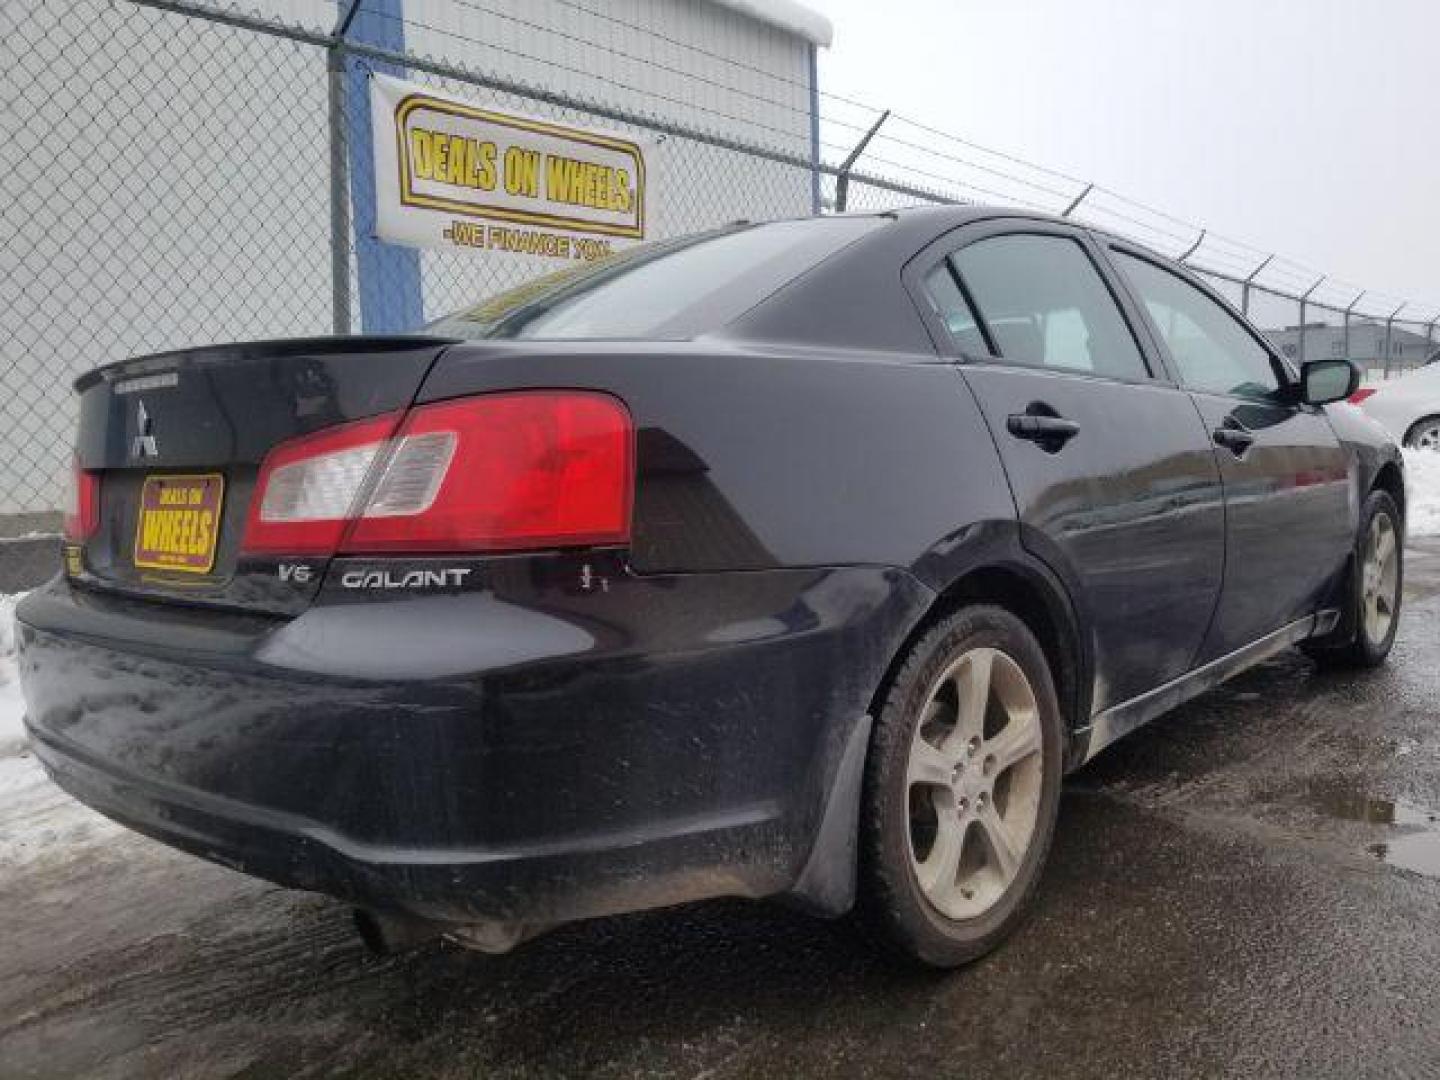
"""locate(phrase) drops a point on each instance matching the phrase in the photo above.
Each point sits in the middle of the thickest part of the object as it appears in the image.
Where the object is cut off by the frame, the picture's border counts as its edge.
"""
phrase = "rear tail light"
(310, 487)
(82, 512)
(499, 472)
(1361, 394)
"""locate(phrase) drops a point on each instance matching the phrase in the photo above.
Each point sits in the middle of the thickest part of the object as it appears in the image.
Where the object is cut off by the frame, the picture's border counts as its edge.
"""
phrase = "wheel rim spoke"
(929, 764)
(972, 683)
(1384, 547)
(1001, 847)
(1016, 741)
(941, 867)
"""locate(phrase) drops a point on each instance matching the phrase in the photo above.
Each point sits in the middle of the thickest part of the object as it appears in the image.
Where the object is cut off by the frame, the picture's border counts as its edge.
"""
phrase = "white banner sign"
(449, 174)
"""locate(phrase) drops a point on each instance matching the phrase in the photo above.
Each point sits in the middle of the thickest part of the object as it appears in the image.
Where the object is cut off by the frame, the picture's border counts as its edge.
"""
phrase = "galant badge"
(144, 444)
(449, 578)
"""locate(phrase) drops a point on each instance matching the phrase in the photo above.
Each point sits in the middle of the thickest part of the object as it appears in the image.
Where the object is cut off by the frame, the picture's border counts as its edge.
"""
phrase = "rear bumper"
(519, 753)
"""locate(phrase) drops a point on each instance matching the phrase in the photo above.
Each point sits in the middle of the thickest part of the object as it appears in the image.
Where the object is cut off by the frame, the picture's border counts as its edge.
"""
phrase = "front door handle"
(1235, 439)
(1050, 432)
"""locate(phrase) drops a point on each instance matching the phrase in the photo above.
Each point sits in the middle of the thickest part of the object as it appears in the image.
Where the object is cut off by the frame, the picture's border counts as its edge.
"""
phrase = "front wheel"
(1375, 589)
(1424, 435)
(962, 789)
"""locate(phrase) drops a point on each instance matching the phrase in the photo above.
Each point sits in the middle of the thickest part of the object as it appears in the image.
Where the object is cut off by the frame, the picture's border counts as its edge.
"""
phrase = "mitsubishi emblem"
(144, 444)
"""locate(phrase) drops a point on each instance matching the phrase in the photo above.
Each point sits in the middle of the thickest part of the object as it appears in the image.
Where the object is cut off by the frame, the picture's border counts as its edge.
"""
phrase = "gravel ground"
(1249, 886)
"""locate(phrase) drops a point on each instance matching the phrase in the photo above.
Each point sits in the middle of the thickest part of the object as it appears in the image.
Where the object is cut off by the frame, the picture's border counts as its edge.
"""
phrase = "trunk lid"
(195, 425)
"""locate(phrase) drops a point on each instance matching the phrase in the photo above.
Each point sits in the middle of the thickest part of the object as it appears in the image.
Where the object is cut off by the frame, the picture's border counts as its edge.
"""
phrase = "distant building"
(1366, 344)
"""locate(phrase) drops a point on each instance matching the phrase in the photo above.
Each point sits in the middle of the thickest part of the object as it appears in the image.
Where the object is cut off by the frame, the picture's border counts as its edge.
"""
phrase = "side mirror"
(1324, 381)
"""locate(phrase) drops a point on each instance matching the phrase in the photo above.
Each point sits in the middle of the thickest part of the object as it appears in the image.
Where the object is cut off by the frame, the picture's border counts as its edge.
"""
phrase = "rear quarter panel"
(753, 457)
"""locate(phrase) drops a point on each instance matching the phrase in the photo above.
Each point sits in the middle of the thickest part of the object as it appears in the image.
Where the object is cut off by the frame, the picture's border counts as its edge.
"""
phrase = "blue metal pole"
(389, 275)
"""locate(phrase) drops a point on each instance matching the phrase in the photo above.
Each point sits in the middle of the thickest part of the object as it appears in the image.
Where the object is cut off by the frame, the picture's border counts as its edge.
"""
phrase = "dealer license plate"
(179, 523)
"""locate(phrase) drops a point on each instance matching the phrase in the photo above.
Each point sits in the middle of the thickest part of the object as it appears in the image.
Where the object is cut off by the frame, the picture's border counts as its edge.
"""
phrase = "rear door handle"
(1051, 432)
(1235, 439)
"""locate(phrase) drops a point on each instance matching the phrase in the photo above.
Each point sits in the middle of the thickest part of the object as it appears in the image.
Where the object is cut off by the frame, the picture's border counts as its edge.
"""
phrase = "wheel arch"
(1389, 479)
(995, 570)
(1036, 599)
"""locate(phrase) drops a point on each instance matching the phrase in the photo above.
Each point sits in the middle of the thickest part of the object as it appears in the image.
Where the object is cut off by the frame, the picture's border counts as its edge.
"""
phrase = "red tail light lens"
(82, 514)
(498, 472)
(1361, 394)
(504, 471)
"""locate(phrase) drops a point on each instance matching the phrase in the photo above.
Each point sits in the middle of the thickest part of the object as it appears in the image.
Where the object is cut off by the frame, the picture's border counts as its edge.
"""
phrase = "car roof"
(942, 218)
(855, 298)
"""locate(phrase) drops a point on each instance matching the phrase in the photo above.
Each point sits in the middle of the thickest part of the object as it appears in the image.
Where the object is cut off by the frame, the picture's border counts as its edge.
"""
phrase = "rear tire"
(962, 788)
(1374, 591)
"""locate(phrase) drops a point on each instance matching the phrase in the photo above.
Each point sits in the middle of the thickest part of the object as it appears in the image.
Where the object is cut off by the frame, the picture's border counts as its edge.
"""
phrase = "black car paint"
(1132, 508)
(1291, 502)
(590, 751)
(1291, 514)
(568, 734)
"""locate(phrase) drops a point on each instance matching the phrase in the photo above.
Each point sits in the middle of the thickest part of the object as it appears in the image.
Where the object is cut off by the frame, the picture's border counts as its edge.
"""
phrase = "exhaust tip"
(386, 935)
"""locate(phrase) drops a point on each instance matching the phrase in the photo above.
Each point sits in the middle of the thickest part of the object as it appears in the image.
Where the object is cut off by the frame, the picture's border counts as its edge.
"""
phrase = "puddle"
(1419, 852)
(1416, 845)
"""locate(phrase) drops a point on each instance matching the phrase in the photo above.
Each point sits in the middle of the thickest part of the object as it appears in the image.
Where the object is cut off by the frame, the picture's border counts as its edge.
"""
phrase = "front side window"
(1046, 305)
(1211, 348)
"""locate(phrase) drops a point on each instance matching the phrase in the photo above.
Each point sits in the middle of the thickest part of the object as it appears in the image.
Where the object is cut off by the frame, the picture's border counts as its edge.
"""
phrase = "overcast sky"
(1311, 127)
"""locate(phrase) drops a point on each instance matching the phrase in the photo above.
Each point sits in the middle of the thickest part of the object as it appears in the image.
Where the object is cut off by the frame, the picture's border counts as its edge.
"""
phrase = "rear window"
(670, 290)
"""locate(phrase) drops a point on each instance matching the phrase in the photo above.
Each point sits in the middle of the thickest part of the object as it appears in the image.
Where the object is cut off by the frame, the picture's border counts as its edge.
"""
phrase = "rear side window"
(669, 290)
(1211, 348)
(1046, 305)
(950, 305)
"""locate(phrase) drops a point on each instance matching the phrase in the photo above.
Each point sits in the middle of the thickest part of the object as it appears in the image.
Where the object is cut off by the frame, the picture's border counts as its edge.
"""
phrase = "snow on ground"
(38, 821)
(12, 736)
(1422, 478)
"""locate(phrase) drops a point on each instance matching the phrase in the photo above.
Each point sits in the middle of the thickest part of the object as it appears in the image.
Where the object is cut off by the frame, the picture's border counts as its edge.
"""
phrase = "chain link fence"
(126, 227)
(175, 174)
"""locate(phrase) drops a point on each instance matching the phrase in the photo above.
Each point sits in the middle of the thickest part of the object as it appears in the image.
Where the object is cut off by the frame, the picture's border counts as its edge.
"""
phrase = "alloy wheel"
(1380, 579)
(973, 783)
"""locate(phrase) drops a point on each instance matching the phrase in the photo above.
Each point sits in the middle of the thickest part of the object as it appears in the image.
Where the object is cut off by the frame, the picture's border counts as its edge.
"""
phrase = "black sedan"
(799, 559)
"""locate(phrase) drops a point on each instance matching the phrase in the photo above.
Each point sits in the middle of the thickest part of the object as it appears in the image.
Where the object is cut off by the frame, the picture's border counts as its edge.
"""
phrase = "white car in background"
(1409, 407)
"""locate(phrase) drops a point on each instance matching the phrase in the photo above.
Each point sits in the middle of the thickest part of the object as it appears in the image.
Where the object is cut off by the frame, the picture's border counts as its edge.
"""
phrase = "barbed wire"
(1013, 158)
(954, 182)
(892, 140)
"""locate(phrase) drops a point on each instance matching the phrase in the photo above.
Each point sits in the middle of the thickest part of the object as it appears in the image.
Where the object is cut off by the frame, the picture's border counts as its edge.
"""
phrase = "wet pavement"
(1248, 887)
